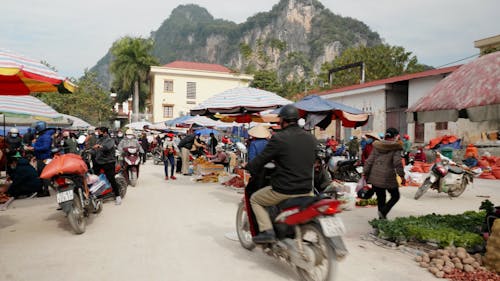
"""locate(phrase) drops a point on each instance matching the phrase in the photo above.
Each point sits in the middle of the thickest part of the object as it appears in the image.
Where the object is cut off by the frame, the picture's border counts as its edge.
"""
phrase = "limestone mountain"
(295, 38)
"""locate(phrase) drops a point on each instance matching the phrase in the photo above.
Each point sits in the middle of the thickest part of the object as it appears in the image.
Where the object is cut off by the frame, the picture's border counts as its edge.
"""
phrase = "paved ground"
(176, 231)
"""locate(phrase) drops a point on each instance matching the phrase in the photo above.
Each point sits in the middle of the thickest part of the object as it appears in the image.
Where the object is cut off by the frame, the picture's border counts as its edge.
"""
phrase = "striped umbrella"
(245, 100)
(21, 76)
(27, 106)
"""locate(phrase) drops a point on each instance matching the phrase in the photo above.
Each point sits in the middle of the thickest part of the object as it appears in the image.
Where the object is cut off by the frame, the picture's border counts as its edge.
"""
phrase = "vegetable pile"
(367, 202)
(445, 230)
(450, 260)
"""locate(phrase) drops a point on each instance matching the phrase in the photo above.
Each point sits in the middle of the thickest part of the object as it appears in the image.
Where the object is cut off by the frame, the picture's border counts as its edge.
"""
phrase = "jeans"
(169, 159)
(384, 207)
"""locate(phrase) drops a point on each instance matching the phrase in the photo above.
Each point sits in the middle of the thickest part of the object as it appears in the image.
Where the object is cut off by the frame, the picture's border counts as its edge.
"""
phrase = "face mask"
(120, 135)
(129, 137)
(96, 133)
(169, 139)
(100, 135)
(14, 135)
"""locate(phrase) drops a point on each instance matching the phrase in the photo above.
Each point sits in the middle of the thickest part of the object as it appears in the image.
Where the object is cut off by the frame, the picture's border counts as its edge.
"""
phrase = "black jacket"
(106, 154)
(187, 142)
(293, 151)
(25, 179)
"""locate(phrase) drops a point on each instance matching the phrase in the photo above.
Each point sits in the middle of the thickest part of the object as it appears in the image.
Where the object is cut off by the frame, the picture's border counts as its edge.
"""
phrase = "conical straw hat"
(259, 132)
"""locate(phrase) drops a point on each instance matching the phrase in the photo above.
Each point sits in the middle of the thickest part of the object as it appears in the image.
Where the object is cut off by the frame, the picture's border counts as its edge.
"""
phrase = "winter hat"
(391, 133)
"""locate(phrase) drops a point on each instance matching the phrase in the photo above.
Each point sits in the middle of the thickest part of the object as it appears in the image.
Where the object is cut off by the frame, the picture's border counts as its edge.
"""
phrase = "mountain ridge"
(295, 38)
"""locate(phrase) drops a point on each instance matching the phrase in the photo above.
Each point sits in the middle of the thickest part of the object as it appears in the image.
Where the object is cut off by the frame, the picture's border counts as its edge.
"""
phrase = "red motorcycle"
(308, 232)
(131, 161)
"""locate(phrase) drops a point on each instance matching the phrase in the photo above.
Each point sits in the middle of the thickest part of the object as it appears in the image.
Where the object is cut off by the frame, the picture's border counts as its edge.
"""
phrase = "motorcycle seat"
(456, 170)
(343, 163)
(302, 202)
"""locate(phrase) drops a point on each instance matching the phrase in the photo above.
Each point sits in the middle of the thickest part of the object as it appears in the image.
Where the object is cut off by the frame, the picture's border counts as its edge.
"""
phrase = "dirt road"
(176, 230)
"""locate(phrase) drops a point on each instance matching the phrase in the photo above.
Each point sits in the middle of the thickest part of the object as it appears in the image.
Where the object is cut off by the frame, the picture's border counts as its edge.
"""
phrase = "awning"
(472, 91)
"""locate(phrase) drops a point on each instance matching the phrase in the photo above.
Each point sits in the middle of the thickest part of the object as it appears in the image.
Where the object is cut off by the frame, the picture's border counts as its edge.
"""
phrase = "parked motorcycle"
(446, 176)
(131, 161)
(308, 232)
(73, 194)
(344, 169)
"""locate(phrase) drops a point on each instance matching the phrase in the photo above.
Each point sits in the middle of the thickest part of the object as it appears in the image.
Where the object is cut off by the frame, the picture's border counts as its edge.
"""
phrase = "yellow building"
(178, 86)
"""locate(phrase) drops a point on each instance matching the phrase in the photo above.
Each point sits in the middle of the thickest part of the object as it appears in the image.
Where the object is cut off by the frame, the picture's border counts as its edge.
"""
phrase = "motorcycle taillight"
(62, 182)
(329, 209)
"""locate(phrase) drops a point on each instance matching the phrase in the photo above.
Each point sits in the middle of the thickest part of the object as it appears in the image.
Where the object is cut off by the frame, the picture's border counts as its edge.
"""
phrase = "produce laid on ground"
(366, 202)
(455, 264)
(443, 230)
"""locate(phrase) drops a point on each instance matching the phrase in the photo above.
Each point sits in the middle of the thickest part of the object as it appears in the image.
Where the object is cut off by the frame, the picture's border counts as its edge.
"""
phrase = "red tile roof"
(198, 66)
(395, 79)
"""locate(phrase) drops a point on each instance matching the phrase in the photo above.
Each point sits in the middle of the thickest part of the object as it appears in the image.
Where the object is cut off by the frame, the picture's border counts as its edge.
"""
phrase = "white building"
(178, 86)
(387, 101)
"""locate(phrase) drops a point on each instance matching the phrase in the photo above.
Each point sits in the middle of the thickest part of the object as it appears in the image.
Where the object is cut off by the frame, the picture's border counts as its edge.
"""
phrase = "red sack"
(64, 164)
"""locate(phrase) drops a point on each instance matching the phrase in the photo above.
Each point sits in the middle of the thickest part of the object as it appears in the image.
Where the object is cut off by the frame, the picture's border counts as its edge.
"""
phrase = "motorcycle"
(131, 161)
(308, 232)
(344, 169)
(448, 177)
(157, 155)
(73, 195)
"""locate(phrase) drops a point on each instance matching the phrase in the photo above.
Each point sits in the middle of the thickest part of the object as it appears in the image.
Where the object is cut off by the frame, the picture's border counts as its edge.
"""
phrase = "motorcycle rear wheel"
(243, 228)
(459, 191)
(423, 188)
(76, 215)
(326, 259)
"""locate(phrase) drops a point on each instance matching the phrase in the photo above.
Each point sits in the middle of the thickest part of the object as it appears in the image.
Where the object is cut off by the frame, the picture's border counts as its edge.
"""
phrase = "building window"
(440, 126)
(168, 111)
(191, 90)
(168, 86)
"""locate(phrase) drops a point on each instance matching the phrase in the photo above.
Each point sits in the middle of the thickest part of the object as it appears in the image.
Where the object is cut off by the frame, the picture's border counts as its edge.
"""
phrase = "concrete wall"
(207, 85)
(370, 100)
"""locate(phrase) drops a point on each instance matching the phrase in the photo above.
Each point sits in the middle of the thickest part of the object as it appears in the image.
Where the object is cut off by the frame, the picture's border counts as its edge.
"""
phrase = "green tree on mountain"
(381, 61)
(130, 66)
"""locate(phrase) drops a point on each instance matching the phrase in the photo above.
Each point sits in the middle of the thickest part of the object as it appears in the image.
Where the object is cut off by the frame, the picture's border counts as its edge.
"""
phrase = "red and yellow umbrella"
(21, 76)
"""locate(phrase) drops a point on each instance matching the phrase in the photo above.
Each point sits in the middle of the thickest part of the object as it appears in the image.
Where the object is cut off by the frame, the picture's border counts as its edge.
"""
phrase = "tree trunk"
(136, 101)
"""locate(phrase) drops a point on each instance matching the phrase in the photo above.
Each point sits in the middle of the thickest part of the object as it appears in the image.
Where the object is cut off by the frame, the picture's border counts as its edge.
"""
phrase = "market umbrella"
(176, 121)
(77, 123)
(19, 111)
(320, 112)
(472, 91)
(138, 125)
(244, 100)
(21, 76)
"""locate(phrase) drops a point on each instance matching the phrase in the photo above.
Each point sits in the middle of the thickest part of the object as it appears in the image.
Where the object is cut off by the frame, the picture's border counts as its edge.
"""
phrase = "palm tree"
(131, 64)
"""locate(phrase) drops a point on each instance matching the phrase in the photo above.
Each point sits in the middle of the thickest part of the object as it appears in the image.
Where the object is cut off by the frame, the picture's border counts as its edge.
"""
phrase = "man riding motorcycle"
(293, 152)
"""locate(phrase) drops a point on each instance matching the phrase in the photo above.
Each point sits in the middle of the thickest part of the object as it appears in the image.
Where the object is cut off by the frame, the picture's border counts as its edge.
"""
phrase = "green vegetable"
(446, 230)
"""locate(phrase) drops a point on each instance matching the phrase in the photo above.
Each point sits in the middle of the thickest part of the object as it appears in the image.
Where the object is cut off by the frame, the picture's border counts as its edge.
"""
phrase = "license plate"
(332, 226)
(64, 196)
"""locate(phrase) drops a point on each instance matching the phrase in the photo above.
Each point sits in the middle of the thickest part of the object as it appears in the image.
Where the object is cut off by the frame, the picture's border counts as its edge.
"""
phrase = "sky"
(74, 35)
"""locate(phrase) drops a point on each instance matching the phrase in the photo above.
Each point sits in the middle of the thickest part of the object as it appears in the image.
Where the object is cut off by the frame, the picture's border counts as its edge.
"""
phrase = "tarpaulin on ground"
(445, 141)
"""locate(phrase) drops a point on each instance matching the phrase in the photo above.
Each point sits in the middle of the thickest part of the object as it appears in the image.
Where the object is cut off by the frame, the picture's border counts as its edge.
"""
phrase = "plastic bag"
(100, 186)
(361, 184)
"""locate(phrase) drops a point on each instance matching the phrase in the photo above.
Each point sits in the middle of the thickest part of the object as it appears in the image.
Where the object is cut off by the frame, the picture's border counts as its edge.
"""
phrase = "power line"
(475, 55)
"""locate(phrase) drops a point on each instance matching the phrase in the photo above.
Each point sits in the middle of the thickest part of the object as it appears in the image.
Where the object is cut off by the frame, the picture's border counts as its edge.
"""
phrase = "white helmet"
(14, 131)
(129, 132)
